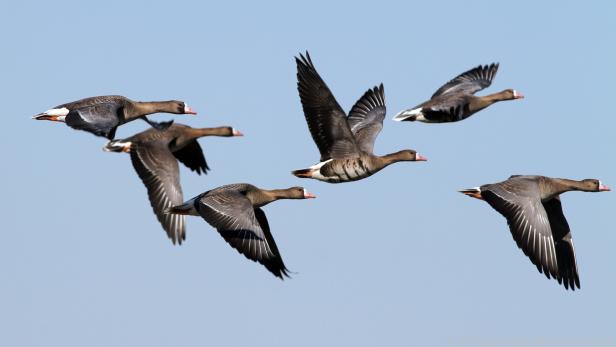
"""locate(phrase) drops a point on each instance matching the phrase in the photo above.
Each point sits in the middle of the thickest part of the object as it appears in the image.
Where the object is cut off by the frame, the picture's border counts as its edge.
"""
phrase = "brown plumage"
(532, 207)
(101, 115)
(235, 211)
(345, 143)
(154, 154)
(456, 101)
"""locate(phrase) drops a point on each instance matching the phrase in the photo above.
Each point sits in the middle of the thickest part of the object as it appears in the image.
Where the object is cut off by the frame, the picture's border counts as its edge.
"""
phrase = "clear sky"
(398, 259)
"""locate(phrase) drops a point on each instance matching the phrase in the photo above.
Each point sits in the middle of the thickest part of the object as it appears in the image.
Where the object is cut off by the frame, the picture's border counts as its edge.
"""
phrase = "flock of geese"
(531, 204)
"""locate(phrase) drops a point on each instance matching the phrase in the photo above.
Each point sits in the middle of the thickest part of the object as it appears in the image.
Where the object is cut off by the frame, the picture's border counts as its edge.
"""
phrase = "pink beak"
(604, 188)
(419, 157)
(237, 133)
(308, 195)
(188, 110)
(518, 95)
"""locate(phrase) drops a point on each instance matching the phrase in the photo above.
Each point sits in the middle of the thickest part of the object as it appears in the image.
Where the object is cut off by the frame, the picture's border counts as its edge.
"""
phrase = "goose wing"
(159, 172)
(243, 226)
(519, 201)
(469, 82)
(326, 120)
(565, 251)
(366, 118)
(192, 156)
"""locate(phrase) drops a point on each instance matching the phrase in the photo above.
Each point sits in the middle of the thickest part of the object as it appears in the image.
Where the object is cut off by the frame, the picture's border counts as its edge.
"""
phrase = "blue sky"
(398, 259)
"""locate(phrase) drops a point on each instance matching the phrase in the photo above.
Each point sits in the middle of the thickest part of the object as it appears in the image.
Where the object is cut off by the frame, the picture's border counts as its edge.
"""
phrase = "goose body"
(352, 169)
(235, 211)
(101, 115)
(532, 207)
(456, 101)
(155, 155)
(345, 142)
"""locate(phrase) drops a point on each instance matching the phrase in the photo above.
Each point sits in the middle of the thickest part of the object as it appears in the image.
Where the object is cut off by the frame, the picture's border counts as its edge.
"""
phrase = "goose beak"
(419, 157)
(604, 188)
(237, 133)
(188, 110)
(308, 195)
(517, 95)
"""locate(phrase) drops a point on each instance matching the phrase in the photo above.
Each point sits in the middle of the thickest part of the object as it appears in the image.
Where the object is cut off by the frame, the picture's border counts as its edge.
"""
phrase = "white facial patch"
(56, 112)
(305, 192)
(515, 93)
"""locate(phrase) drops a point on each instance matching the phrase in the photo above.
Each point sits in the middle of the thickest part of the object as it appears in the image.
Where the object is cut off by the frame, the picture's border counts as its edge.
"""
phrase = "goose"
(154, 154)
(532, 207)
(345, 143)
(456, 101)
(101, 115)
(235, 211)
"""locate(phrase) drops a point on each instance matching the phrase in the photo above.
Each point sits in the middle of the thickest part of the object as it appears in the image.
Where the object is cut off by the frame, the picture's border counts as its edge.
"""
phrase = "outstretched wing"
(366, 118)
(160, 174)
(192, 156)
(565, 252)
(519, 202)
(326, 119)
(243, 226)
(470, 81)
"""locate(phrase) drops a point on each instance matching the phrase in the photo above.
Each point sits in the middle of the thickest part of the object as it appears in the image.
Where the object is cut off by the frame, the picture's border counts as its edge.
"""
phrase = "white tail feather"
(56, 112)
(407, 114)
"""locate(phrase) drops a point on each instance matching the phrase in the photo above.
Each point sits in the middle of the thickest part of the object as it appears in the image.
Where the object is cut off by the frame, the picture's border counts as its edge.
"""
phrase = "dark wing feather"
(192, 156)
(452, 108)
(366, 118)
(519, 202)
(470, 81)
(244, 227)
(565, 252)
(101, 119)
(276, 264)
(326, 120)
(160, 173)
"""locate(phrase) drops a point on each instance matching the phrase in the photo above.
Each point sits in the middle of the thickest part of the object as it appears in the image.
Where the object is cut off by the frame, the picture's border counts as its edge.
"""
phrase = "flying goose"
(345, 143)
(235, 211)
(456, 101)
(532, 207)
(101, 115)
